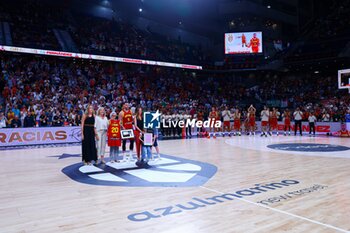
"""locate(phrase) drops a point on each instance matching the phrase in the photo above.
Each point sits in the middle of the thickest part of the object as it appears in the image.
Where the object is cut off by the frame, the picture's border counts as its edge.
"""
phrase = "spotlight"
(269, 6)
(140, 9)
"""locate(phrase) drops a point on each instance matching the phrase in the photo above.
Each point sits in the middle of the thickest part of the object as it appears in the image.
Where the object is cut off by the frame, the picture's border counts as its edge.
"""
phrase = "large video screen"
(344, 79)
(243, 42)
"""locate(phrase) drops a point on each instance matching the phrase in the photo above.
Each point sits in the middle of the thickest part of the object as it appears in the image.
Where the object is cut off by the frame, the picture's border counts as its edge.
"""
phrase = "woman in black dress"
(138, 123)
(88, 135)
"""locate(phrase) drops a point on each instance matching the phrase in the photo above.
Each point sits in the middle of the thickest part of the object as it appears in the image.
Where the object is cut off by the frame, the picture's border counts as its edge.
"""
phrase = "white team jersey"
(298, 115)
(312, 119)
(278, 114)
(265, 115)
(226, 115)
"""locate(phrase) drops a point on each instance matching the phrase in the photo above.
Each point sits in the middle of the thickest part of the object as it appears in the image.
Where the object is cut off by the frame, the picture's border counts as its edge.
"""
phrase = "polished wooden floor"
(35, 195)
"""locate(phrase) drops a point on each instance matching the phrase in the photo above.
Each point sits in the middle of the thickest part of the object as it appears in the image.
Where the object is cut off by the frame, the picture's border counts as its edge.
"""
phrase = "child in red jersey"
(114, 139)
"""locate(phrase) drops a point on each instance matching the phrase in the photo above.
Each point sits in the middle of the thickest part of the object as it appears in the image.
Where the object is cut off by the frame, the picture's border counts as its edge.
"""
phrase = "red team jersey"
(236, 122)
(113, 133)
(251, 119)
(213, 115)
(127, 119)
(273, 122)
(244, 39)
(254, 43)
(287, 119)
(200, 116)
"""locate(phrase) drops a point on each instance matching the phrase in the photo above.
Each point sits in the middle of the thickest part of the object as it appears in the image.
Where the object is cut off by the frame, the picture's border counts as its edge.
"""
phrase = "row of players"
(269, 122)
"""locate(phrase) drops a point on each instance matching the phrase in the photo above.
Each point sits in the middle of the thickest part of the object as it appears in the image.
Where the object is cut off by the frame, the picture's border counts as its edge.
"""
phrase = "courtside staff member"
(298, 116)
(312, 120)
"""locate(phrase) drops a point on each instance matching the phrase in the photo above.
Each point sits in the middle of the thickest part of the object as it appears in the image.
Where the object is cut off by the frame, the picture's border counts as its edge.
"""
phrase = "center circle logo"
(308, 147)
(169, 171)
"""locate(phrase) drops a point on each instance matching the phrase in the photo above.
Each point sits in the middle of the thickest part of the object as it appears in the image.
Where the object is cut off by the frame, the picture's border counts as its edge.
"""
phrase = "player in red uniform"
(200, 117)
(274, 115)
(287, 122)
(244, 40)
(254, 43)
(213, 117)
(114, 139)
(126, 120)
(237, 123)
(343, 132)
(251, 119)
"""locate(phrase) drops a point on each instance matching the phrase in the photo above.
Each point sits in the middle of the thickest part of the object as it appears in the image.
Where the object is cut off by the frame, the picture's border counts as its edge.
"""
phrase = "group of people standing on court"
(98, 131)
(269, 121)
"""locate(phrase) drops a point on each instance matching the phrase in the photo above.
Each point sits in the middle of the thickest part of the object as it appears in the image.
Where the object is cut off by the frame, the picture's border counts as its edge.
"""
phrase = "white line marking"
(282, 212)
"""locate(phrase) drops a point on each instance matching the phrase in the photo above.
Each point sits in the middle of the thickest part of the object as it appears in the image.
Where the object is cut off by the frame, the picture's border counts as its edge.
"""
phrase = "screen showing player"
(243, 42)
(344, 79)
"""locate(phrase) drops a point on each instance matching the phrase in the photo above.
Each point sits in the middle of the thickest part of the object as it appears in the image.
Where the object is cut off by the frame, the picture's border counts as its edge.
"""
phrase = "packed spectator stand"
(58, 90)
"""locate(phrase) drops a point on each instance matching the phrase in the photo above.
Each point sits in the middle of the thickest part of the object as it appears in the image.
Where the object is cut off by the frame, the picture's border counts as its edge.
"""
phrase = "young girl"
(155, 143)
(114, 140)
(146, 149)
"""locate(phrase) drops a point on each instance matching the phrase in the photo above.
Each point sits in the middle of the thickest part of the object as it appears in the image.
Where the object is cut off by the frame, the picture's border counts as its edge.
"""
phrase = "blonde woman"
(88, 134)
(101, 126)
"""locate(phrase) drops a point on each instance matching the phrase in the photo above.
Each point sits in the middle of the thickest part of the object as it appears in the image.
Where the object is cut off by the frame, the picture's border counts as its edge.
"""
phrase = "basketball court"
(236, 184)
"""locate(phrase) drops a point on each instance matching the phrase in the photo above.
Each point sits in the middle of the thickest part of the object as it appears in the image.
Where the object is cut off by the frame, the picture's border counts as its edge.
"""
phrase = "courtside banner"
(39, 136)
(96, 57)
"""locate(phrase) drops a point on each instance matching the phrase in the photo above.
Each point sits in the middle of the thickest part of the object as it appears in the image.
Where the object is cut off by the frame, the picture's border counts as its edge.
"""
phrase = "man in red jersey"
(126, 119)
(254, 44)
(244, 40)
(213, 117)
